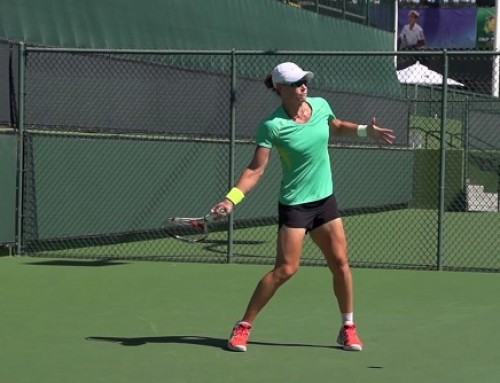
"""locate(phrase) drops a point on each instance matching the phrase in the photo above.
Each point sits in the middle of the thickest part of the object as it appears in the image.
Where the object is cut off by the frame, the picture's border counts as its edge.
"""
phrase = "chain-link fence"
(115, 142)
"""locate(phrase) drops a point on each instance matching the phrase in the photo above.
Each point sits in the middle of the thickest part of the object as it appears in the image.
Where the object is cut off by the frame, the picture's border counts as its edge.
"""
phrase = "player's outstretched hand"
(379, 134)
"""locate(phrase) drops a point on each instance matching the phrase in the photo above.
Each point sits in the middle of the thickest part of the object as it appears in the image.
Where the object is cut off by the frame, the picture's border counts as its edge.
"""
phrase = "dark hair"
(268, 82)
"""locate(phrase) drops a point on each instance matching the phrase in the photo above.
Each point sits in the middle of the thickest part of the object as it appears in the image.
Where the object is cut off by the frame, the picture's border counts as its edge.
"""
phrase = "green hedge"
(426, 179)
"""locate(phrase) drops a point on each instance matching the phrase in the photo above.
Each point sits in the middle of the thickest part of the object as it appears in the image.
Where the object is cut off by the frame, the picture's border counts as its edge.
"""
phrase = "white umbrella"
(419, 74)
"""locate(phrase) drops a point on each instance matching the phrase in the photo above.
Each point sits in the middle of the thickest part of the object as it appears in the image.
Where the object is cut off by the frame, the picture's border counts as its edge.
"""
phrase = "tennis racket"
(193, 230)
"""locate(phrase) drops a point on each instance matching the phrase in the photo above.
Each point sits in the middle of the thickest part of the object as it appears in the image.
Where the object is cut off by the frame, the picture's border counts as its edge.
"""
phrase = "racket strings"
(195, 229)
(197, 224)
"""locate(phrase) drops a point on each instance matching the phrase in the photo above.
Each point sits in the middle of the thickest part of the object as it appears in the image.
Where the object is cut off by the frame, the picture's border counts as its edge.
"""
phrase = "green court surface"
(119, 322)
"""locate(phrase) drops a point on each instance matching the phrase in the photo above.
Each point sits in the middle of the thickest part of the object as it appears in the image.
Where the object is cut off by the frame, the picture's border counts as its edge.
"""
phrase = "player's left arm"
(345, 128)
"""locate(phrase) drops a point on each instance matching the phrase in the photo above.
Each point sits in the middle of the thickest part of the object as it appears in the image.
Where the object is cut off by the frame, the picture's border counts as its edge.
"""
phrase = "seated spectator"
(412, 36)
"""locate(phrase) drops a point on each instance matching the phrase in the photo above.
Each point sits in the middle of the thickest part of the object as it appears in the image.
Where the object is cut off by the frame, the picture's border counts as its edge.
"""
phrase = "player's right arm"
(249, 178)
(252, 174)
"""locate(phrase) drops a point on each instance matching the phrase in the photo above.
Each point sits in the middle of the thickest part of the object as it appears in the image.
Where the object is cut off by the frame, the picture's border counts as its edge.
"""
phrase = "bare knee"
(283, 273)
(339, 266)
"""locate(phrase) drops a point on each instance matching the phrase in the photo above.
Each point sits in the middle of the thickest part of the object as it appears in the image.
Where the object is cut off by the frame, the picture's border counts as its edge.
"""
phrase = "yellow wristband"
(235, 196)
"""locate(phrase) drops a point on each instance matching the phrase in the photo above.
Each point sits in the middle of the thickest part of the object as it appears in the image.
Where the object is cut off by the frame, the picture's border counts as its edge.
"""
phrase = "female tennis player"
(299, 129)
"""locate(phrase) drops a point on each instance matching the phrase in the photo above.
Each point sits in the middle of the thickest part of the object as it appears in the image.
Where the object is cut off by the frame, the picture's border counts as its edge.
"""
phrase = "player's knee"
(285, 272)
(340, 265)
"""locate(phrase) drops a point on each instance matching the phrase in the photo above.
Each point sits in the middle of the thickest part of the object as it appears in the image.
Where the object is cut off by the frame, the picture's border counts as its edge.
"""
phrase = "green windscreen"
(182, 24)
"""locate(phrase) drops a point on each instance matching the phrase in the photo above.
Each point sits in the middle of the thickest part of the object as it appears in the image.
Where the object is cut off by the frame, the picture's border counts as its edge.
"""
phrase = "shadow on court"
(220, 246)
(194, 340)
(78, 263)
(215, 242)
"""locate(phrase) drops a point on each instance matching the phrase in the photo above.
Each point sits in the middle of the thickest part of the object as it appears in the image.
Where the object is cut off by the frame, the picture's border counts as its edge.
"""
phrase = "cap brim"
(309, 75)
(298, 76)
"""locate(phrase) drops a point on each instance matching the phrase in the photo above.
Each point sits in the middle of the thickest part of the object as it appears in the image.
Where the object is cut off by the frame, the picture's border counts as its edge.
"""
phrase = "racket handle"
(222, 212)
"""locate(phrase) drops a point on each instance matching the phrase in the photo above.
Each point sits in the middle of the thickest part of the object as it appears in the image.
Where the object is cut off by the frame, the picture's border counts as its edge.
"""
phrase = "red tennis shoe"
(239, 337)
(348, 338)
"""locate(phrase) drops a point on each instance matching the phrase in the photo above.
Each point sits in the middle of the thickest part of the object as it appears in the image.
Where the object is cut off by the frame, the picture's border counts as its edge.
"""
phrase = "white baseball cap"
(288, 73)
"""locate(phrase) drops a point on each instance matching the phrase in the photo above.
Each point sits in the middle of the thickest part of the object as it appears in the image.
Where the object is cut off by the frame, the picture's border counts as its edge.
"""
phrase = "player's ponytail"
(268, 82)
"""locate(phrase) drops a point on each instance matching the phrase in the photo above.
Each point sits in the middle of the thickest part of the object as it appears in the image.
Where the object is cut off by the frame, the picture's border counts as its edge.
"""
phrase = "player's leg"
(289, 250)
(331, 239)
(288, 253)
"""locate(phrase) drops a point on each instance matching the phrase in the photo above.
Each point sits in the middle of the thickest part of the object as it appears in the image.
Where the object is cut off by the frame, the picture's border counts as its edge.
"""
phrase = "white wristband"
(362, 130)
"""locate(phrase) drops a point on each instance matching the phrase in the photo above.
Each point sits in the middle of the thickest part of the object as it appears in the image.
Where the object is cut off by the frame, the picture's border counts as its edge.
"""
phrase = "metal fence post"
(20, 149)
(465, 140)
(232, 144)
(442, 166)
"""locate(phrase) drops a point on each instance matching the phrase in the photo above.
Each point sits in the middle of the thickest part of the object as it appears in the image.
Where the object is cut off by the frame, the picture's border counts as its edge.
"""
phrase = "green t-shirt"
(303, 151)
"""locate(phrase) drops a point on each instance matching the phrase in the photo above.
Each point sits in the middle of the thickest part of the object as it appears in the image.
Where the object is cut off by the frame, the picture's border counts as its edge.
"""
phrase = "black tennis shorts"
(309, 215)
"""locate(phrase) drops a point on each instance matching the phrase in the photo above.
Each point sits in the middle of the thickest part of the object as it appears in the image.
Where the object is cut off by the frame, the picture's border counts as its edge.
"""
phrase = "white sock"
(347, 319)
